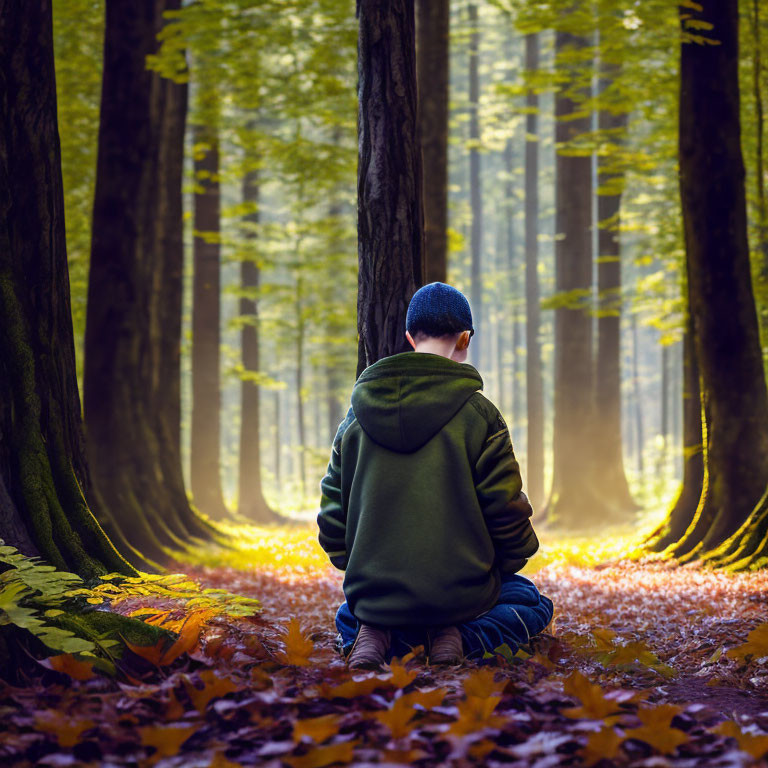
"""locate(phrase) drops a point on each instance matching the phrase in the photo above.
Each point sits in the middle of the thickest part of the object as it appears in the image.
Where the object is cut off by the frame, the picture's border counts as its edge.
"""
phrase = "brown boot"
(370, 648)
(446, 647)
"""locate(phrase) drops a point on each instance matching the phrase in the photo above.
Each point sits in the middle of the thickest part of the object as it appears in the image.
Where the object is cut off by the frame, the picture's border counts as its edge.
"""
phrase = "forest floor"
(647, 664)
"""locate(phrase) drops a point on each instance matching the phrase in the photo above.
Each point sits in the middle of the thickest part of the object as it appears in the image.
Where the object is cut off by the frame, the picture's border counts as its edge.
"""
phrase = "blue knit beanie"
(438, 309)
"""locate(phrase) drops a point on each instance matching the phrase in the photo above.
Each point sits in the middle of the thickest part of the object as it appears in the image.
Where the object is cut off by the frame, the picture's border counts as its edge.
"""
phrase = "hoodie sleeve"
(505, 507)
(332, 518)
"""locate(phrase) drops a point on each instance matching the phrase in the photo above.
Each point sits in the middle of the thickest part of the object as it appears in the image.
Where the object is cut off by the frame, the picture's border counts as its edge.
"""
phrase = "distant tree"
(731, 521)
(432, 66)
(133, 326)
(573, 502)
(390, 210)
(205, 437)
(533, 372)
(44, 481)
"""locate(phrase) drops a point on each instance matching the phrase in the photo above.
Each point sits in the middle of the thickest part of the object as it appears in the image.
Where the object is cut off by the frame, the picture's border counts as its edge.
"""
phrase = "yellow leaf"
(427, 699)
(756, 746)
(353, 688)
(298, 646)
(480, 749)
(481, 683)
(476, 713)
(69, 665)
(318, 757)
(174, 709)
(665, 740)
(756, 645)
(318, 729)
(602, 744)
(214, 687)
(397, 717)
(660, 716)
(401, 677)
(594, 704)
(604, 639)
(166, 740)
(65, 728)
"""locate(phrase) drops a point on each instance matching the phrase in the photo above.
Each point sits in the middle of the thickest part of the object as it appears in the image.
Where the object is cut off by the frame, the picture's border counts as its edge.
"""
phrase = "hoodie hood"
(404, 400)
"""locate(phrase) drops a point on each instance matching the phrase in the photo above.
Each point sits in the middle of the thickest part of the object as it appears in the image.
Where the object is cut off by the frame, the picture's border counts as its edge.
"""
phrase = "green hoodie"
(421, 503)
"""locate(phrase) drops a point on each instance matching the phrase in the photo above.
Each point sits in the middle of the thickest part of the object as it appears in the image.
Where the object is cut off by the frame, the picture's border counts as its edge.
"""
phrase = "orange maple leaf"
(166, 740)
(602, 744)
(188, 638)
(298, 646)
(214, 687)
(756, 646)
(400, 677)
(69, 665)
(481, 683)
(352, 688)
(319, 757)
(594, 704)
(665, 740)
(476, 713)
(756, 746)
(398, 717)
(318, 729)
(65, 728)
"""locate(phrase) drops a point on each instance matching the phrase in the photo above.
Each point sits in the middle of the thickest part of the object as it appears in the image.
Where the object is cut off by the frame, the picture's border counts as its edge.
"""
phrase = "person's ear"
(410, 338)
(463, 341)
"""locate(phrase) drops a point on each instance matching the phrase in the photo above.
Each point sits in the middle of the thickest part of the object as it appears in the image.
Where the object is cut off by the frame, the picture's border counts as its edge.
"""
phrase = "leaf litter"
(646, 664)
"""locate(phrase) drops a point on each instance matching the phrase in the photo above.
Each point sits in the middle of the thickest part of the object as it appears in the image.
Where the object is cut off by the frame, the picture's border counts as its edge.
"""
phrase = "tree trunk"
(134, 294)
(301, 433)
(389, 178)
(684, 508)
(638, 400)
(252, 504)
(609, 446)
(205, 432)
(534, 384)
(573, 502)
(44, 480)
(477, 348)
(432, 67)
(719, 285)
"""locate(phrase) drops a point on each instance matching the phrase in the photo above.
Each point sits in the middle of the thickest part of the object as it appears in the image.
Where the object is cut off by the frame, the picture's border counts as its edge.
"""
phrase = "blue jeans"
(520, 612)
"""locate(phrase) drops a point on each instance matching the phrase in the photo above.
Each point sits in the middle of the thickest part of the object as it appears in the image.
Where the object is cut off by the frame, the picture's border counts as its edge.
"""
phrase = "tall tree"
(713, 197)
(252, 504)
(475, 184)
(133, 326)
(389, 178)
(534, 381)
(612, 123)
(432, 67)
(44, 482)
(205, 433)
(573, 501)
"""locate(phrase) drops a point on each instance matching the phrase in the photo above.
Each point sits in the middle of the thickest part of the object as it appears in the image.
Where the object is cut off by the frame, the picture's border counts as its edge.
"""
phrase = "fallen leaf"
(594, 704)
(166, 740)
(318, 729)
(214, 687)
(756, 646)
(475, 714)
(298, 646)
(69, 665)
(318, 757)
(756, 746)
(65, 728)
(602, 744)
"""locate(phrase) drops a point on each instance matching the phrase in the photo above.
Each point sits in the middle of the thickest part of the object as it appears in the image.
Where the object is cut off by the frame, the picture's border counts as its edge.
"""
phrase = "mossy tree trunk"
(432, 66)
(133, 327)
(205, 432)
(44, 482)
(733, 387)
(389, 178)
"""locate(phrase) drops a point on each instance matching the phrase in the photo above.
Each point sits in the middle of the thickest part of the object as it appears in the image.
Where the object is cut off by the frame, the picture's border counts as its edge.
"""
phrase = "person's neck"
(436, 347)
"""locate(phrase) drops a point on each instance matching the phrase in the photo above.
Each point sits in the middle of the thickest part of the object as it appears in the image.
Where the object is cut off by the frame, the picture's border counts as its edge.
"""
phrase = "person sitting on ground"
(422, 504)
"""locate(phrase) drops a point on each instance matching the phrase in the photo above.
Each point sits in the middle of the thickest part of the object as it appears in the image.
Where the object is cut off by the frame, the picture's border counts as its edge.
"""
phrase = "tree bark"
(44, 481)
(637, 400)
(609, 445)
(133, 324)
(252, 504)
(719, 284)
(573, 501)
(205, 432)
(432, 67)
(389, 178)
(477, 348)
(534, 383)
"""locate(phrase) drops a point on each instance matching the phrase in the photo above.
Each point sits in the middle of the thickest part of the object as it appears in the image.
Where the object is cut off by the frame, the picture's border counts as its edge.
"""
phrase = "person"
(422, 504)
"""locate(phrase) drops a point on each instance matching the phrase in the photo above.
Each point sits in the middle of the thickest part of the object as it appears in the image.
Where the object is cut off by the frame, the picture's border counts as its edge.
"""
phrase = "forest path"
(643, 669)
